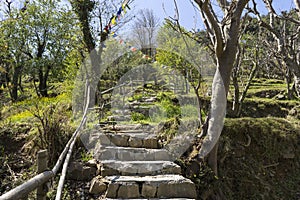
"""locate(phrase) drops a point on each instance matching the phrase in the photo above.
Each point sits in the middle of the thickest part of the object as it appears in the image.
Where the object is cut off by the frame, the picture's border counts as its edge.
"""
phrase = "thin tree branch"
(212, 24)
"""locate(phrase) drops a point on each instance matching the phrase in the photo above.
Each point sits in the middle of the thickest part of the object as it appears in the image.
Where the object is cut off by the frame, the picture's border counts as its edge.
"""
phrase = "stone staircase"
(136, 167)
(133, 164)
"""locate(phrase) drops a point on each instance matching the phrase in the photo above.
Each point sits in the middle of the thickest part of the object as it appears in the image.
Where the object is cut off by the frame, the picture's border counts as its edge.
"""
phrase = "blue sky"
(188, 16)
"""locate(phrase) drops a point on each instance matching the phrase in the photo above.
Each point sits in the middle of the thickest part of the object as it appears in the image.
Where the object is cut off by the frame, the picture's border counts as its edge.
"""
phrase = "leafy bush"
(51, 130)
(135, 116)
(171, 109)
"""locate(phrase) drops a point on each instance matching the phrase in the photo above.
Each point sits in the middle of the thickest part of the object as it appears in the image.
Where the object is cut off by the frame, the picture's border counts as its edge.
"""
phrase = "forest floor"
(259, 153)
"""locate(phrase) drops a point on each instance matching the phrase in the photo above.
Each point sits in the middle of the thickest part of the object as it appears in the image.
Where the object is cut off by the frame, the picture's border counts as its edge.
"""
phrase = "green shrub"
(51, 130)
(135, 116)
(171, 109)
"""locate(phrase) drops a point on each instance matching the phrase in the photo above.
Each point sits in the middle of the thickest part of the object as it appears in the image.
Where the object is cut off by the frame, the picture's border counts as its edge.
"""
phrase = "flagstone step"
(129, 139)
(122, 112)
(119, 118)
(159, 186)
(130, 154)
(124, 127)
(143, 168)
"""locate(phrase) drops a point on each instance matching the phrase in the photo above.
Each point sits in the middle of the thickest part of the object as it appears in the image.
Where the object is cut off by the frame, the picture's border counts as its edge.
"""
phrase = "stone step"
(160, 186)
(123, 127)
(130, 154)
(145, 103)
(143, 168)
(122, 112)
(150, 99)
(129, 139)
(119, 118)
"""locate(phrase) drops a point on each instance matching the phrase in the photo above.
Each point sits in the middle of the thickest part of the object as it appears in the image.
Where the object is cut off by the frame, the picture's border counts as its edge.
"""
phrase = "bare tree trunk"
(14, 89)
(43, 78)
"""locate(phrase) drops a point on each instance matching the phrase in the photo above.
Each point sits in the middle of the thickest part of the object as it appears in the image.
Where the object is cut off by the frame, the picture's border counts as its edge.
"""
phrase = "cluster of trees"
(35, 43)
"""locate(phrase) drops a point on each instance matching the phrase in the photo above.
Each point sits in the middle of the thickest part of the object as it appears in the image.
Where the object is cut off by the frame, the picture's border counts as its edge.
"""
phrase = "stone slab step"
(130, 154)
(119, 118)
(122, 112)
(160, 186)
(124, 127)
(143, 168)
(129, 139)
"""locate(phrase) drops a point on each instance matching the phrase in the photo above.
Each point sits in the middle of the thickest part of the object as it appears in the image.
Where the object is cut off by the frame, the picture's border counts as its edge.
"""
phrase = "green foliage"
(135, 116)
(183, 53)
(136, 97)
(170, 109)
(37, 42)
(21, 117)
(51, 130)
(169, 104)
(85, 157)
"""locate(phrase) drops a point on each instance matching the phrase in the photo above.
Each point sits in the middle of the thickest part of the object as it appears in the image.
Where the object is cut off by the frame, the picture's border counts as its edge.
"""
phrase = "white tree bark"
(217, 112)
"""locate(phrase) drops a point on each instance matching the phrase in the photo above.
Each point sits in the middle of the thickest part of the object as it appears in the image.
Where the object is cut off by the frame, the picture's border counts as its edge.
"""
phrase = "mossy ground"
(259, 159)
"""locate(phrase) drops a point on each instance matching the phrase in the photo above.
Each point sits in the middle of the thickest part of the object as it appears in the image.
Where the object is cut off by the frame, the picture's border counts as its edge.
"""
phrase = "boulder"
(98, 185)
(80, 172)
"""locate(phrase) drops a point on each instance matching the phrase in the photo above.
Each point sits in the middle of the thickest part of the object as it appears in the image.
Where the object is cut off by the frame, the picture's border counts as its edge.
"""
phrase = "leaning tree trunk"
(224, 36)
(215, 122)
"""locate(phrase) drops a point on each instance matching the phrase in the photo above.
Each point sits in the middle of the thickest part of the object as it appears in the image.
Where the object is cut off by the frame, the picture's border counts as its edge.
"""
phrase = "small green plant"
(171, 109)
(136, 97)
(86, 156)
(135, 116)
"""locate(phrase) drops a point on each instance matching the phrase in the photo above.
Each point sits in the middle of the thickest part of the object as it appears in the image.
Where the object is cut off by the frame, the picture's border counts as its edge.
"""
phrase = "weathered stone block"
(149, 191)
(128, 190)
(124, 155)
(104, 154)
(112, 190)
(162, 155)
(135, 142)
(106, 171)
(119, 140)
(77, 171)
(176, 189)
(98, 186)
(104, 139)
(151, 143)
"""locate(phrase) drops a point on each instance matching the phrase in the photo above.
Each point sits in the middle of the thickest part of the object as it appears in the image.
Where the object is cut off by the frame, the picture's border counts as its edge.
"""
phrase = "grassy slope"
(260, 159)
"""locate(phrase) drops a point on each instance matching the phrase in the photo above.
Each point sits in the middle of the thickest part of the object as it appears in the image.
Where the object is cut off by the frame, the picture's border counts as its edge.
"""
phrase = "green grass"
(21, 111)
